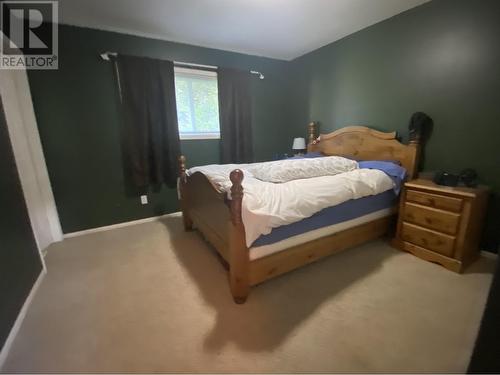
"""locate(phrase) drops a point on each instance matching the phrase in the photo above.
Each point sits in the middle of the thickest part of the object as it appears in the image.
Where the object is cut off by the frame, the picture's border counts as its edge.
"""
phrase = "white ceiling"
(282, 29)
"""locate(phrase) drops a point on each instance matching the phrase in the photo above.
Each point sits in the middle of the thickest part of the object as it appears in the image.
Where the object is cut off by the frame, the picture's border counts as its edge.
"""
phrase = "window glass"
(197, 103)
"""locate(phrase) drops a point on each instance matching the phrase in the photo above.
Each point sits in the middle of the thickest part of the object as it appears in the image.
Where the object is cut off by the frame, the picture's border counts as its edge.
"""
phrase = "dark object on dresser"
(468, 177)
(446, 179)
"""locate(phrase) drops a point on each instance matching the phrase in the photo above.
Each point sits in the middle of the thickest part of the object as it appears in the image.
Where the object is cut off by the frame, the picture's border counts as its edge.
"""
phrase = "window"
(197, 103)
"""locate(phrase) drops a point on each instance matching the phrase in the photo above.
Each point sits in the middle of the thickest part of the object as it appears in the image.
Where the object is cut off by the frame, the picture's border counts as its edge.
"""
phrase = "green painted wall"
(79, 122)
(442, 58)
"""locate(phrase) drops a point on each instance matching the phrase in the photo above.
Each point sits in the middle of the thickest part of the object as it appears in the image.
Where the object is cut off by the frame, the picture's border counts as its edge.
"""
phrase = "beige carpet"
(151, 298)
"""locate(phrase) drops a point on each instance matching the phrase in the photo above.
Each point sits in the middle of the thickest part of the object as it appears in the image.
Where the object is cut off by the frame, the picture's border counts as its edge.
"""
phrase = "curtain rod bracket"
(107, 55)
(261, 76)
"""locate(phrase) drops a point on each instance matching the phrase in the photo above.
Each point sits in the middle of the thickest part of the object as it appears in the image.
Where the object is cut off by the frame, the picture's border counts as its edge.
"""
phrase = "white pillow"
(295, 169)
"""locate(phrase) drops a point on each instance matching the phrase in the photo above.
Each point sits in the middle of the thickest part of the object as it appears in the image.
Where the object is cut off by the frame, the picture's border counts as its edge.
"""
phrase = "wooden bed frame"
(219, 219)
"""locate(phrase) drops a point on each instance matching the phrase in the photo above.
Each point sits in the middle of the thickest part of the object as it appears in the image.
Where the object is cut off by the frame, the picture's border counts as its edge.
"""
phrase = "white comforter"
(295, 169)
(268, 205)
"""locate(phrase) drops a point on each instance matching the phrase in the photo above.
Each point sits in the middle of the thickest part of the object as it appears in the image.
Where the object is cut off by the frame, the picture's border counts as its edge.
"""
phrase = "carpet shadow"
(277, 307)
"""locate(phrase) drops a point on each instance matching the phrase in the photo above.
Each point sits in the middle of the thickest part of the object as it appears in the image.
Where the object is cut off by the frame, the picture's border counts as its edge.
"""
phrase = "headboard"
(363, 143)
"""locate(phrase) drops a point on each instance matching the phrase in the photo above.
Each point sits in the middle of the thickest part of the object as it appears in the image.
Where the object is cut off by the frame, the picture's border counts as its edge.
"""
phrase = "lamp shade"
(299, 144)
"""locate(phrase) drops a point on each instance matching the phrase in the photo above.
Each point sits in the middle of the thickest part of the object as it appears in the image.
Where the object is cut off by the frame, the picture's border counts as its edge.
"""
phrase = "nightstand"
(441, 224)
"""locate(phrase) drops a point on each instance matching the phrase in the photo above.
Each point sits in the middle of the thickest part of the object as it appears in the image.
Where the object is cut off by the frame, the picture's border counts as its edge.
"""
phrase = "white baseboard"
(119, 225)
(19, 320)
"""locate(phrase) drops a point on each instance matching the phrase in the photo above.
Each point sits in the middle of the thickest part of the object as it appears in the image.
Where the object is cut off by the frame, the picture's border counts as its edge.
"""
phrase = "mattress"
(266, 250)
(328, 217)
(348, 210)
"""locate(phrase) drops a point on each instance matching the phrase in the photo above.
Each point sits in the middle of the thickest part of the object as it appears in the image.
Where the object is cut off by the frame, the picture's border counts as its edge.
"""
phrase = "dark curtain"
(150, 134)
(235, 116)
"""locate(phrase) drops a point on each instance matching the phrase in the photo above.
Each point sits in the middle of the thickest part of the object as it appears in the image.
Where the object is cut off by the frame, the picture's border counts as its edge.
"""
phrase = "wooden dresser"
(441, 224)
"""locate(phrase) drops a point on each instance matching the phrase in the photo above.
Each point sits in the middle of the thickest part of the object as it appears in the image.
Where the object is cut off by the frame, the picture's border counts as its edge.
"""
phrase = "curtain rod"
(106, 56)
(180, 63)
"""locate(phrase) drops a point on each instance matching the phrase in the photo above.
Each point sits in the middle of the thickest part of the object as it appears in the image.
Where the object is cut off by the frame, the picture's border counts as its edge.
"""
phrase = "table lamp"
(299, 146)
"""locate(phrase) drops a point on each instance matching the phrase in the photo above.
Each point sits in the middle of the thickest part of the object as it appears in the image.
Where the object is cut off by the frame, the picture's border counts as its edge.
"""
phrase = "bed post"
(238, 251)
(311, 135)
(188, 223)
(416, 144)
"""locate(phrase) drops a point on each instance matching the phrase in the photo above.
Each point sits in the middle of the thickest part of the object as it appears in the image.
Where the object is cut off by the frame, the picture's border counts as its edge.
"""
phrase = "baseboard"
(119, 225)
(19, 320)
(489, 254)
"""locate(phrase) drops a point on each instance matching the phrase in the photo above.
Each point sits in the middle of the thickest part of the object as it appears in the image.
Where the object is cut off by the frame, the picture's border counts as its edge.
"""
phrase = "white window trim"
(192, 136)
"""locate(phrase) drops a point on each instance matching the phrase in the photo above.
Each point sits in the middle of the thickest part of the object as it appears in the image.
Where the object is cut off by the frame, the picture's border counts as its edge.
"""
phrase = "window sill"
(199, 136)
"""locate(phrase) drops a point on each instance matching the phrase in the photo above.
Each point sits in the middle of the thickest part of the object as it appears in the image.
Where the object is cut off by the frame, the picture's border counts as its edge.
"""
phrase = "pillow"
(393, 170)
(288, 170)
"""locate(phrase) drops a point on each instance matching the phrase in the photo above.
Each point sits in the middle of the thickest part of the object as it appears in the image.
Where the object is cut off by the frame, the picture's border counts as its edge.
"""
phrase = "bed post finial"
(311, 134)
(182, 168)
(415, 143)
(236, 178)
(183, 194)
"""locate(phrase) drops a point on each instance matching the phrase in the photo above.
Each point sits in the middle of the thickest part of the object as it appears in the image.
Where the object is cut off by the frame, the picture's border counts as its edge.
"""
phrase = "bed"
(218, 214)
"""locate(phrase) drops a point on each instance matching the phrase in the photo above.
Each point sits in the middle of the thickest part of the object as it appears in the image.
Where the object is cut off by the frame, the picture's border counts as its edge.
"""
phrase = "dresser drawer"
(431, 240)
(436, 201)
(442, 221)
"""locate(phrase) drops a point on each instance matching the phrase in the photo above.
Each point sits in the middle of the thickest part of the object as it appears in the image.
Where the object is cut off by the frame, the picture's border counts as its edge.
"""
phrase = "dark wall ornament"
(420, 127)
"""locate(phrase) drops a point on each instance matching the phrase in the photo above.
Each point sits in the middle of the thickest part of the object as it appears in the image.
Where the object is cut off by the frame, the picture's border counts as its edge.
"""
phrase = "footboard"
(218, 219)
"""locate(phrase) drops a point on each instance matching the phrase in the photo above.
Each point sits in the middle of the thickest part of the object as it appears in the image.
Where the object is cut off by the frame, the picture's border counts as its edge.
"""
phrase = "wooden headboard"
(363, 143)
